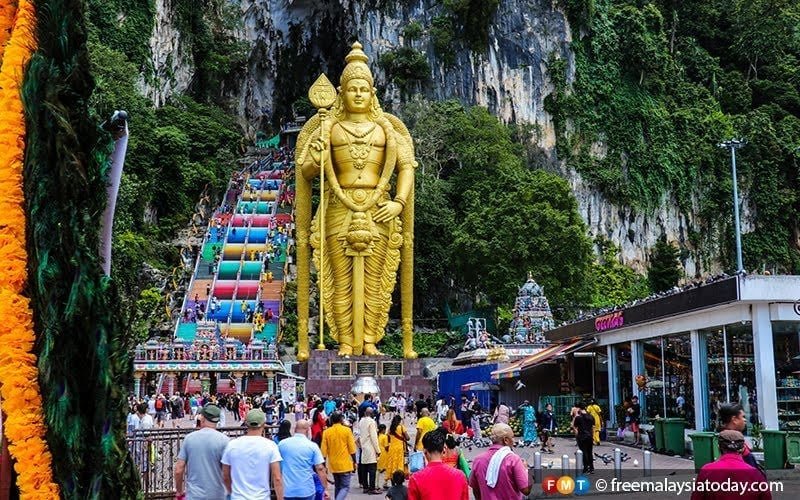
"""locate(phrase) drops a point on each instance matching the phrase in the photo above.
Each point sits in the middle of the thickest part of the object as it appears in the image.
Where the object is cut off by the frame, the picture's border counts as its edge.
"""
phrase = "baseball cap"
(211, 412)
(731, 440)
(255, 418)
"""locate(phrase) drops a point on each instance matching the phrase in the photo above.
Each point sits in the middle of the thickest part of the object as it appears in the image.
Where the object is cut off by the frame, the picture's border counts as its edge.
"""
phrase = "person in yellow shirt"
(383, 444)
(339, 449)
(596, 412)
(425, 424)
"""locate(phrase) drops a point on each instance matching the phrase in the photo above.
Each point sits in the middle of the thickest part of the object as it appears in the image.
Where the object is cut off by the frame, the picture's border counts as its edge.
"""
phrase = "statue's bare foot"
(371, 350)
(410, 355)
(302, 356)
(345, 350)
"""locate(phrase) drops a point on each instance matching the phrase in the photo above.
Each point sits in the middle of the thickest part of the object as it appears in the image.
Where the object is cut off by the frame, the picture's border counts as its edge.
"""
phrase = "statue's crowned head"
(356, 66)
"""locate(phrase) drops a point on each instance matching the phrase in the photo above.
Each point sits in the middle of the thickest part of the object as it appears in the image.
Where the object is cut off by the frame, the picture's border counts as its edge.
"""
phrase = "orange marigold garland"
(8, 11)
(19, 387)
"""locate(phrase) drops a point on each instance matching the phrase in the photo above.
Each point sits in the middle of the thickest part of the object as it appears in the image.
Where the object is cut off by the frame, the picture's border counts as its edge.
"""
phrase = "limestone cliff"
(291, 41)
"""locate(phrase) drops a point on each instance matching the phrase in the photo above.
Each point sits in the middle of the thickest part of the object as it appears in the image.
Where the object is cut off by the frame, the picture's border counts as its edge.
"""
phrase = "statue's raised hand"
(316, 149)
(387, 211)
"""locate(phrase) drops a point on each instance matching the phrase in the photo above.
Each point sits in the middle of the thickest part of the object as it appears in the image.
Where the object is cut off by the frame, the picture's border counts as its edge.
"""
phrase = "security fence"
(155, 452)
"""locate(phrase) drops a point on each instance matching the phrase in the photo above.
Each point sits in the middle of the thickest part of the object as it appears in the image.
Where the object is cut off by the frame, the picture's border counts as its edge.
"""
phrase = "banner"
(288, 391)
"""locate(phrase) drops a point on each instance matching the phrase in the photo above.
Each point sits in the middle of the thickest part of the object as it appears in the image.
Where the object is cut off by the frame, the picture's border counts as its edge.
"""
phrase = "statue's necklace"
(359, 144)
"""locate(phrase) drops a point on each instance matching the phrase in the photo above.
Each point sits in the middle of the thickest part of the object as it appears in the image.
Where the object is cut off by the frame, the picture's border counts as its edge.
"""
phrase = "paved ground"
(673, 468)
(552, 462)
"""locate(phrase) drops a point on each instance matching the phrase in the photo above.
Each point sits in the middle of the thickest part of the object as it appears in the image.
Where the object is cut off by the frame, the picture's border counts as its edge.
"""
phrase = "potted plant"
(757, 443)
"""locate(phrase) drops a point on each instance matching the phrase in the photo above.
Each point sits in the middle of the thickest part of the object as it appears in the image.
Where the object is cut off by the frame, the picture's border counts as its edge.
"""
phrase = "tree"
(434, 220)
(614, 283)
(665, 268)
(518, 222)
(484, 219)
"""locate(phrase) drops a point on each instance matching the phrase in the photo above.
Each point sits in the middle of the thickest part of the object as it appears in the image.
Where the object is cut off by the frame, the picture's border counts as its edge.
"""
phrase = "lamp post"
(733, 145)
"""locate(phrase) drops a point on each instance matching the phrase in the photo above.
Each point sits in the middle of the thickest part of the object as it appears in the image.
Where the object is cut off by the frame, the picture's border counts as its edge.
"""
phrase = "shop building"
(732, 340)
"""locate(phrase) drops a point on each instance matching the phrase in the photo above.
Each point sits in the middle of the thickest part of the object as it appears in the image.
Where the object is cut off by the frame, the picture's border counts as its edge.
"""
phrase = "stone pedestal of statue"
(326, 372)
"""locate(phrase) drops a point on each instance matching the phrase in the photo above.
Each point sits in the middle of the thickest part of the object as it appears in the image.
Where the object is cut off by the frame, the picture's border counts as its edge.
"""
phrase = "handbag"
(416, 461)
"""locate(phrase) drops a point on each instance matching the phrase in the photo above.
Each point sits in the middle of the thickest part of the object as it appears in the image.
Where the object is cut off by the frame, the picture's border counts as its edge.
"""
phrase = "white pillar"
(238, 382)
(170, 384)
(764, 358)
(137, 385)
(699, 379)
(613, 383)
(637, 368)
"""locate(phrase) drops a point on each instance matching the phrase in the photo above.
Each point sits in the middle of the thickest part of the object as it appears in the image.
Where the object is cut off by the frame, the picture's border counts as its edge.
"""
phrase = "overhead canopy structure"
(548, 354)
(479, 386)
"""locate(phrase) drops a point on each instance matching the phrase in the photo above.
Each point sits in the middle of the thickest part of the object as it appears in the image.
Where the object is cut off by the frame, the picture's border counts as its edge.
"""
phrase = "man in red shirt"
(437, 481)
(730, 469)
(732, 418)
(499, 473)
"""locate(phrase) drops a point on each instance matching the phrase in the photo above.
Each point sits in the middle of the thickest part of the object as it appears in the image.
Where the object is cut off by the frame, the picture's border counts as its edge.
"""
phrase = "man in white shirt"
(141, 420)
(441, 410)
(401, 406)
(370, 449)
(249, 461)
(392, 404)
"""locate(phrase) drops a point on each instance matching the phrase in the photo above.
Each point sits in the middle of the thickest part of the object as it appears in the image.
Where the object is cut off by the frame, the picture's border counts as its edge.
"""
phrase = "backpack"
(159, 404)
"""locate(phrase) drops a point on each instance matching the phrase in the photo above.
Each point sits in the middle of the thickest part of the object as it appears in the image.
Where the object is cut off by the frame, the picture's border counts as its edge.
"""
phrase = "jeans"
(341, 485)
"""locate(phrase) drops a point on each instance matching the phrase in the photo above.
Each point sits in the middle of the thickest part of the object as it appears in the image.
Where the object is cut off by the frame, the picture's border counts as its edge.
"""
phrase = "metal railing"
(155, 452)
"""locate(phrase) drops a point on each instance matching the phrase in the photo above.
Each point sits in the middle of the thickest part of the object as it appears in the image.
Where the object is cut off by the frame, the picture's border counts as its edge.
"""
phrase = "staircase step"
(187, 331)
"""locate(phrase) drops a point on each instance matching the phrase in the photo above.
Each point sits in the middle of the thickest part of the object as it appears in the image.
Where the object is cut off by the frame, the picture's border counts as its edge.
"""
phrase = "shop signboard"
(713, 294)
(609, 321)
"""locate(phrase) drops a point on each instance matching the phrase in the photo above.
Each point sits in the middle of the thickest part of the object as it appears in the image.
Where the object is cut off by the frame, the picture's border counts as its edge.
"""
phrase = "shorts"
(634, 426)
(160, 415)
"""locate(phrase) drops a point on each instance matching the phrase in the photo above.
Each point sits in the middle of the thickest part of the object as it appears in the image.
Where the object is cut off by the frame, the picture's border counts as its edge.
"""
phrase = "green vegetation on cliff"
(176, 153)
(658, 84)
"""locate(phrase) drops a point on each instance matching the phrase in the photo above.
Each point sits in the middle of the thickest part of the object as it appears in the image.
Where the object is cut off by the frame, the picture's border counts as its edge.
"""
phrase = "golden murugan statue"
(367, 232)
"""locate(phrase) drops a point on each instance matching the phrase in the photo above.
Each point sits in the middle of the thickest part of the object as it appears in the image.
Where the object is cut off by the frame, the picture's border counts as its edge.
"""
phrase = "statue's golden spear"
(322, 95)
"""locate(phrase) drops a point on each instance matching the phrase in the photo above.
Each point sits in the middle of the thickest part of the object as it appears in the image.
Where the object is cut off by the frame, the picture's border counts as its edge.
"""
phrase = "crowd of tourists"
(403, 448)
(182, 410)
(399, 451)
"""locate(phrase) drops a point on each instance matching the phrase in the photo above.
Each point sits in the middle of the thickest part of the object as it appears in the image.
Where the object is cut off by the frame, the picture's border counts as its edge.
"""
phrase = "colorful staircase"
(232, 266)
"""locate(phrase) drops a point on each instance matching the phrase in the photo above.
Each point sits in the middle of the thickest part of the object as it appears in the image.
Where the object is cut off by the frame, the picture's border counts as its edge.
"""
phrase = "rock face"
(291, 41)
(171, 61)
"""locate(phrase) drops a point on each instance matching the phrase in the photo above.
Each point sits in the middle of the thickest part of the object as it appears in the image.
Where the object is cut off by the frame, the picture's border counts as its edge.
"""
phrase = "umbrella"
(479, 386)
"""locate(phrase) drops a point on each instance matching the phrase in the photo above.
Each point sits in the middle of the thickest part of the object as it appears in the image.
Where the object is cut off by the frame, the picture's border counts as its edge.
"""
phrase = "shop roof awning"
(543, 356)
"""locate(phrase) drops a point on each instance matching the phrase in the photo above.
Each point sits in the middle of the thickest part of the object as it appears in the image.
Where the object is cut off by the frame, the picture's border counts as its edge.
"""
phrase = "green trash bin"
(674, 437)
(774, 449)
(793, 447)
(658, 427)
(703, 444)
